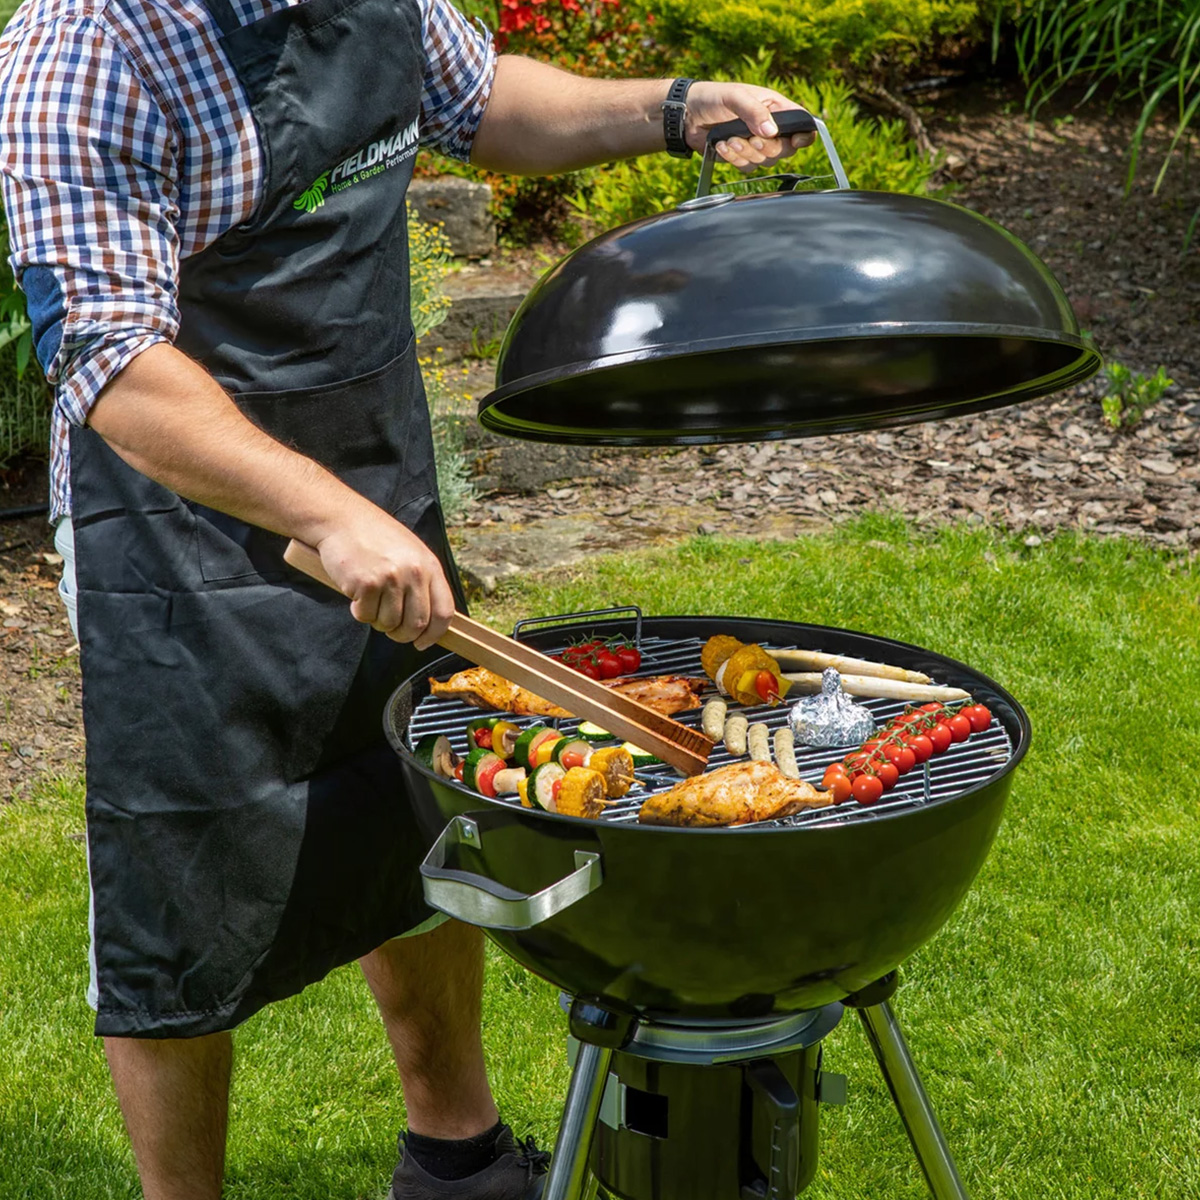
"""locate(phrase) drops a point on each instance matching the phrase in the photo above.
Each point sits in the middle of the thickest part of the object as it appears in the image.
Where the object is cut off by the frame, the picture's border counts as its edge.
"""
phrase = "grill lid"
(779, 315)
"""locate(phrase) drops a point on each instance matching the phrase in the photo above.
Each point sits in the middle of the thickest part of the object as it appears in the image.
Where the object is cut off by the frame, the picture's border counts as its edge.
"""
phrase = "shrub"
(589, 37)
(877, 155)
(1129, 394)
(811, 37)
(24, 395)
(428, 258)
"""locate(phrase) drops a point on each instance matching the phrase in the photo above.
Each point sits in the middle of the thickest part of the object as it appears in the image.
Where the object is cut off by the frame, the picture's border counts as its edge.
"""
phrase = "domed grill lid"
(786, 314)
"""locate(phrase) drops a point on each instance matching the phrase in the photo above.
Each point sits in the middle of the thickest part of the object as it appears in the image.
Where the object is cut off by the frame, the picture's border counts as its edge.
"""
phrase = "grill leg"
(568, 1176)
(900, 1073)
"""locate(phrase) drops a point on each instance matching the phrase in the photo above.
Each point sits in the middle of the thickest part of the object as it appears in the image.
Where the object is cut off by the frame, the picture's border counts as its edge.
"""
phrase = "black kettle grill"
(705, 967)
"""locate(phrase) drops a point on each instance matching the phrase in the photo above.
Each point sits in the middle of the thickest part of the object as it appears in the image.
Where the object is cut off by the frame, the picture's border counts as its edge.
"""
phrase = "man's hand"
(710, 104)
(394, 581)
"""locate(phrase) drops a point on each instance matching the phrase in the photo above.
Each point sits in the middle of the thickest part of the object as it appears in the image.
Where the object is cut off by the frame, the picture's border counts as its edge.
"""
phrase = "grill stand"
(908, 1093)
(598, 1034)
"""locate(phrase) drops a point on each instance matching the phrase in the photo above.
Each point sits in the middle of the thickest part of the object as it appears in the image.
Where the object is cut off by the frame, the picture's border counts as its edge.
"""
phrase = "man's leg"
(174, 1095)
(429, 989)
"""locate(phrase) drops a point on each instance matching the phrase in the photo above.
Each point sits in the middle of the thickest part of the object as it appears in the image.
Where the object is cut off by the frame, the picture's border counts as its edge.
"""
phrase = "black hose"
(26, 510)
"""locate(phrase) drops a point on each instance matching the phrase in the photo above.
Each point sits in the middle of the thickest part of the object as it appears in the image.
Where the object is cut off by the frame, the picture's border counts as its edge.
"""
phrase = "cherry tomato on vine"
(608, 664)
(960, 727)
(888, 775)
(832, 772)
(867, 789)
(921, 746)
(630, 658)
(979, 715)
(590, 669)
(941, 737)
(841, 787)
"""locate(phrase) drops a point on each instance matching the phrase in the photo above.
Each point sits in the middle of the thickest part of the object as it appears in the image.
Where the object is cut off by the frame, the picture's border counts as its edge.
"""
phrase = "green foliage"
(455, 487)
(24, 395)
(1130, 394)
(1146, 50)
(878, 156)
(811, 37)
(428, 259)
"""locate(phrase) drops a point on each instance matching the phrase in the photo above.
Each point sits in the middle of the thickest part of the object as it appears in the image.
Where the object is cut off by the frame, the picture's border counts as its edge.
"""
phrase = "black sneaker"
(519, 1173)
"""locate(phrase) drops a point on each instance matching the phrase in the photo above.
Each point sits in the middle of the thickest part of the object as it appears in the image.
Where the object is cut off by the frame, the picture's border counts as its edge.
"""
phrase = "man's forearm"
(541, 120)
(167, 417)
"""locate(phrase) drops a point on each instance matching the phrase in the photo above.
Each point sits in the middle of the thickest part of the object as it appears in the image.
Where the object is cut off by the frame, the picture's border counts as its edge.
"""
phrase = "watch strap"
(674, 111)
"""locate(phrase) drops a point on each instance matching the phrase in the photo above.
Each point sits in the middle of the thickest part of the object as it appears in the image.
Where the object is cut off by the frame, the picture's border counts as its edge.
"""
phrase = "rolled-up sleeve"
(88, 170)
(460, 66)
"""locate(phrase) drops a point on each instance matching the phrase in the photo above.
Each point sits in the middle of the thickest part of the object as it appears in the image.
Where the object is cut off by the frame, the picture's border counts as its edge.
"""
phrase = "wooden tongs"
(684, 748)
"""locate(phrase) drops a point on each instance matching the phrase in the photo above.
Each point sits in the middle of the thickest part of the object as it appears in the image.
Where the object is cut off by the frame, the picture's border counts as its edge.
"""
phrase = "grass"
(1052, 1017)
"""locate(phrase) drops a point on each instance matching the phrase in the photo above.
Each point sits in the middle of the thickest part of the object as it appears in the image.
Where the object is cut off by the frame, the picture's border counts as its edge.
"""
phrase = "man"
(206, 206)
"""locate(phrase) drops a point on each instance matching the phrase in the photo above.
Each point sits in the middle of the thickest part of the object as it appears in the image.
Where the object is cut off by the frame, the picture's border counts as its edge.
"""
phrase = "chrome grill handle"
(483, 901)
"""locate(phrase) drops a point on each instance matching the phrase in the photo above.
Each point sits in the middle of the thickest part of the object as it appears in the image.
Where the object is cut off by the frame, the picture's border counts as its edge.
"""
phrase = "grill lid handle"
(483, 901)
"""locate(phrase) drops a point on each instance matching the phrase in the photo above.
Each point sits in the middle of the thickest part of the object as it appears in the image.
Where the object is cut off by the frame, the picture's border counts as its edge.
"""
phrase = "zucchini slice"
(641, 758)
(593, 733)
(541, 789)
(571, 752)
(479, 771)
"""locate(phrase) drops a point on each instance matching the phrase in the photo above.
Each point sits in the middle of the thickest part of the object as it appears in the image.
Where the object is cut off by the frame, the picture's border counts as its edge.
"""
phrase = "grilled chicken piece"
(666, 694)
(733, 795)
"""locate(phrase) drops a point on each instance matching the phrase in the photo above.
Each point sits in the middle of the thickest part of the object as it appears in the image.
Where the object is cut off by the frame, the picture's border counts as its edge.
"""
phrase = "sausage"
(785, 752)
(759, 740)
(712, 721)
(735, 735)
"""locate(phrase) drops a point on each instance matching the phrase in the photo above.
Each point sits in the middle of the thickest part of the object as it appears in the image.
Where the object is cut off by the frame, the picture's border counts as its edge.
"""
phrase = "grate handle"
(528, 623)
(483, 901)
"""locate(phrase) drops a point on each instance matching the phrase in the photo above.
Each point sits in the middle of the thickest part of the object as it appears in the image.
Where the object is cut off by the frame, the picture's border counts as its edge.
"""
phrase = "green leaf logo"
(312, 199)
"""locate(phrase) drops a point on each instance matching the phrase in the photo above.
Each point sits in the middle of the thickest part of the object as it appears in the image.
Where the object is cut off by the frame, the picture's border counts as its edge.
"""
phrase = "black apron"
(248, 828)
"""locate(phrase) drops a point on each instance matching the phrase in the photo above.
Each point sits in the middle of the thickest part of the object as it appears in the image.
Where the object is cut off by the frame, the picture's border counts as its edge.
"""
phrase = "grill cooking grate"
(963, 766)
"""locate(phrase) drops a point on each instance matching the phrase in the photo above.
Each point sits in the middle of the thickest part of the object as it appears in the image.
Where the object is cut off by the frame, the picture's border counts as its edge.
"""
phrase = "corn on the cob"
(615, 765)
(581, 793)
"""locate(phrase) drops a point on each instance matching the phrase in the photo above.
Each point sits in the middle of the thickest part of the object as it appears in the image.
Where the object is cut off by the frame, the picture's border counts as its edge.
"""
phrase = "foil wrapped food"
(832, 718)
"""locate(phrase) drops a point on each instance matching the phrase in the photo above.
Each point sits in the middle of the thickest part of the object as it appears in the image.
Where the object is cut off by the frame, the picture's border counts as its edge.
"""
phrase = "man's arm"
(168, 418)
(540, 120)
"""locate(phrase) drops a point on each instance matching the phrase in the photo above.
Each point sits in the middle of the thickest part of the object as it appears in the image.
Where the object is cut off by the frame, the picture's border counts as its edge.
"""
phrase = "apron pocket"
(230, 549)
(358, 429)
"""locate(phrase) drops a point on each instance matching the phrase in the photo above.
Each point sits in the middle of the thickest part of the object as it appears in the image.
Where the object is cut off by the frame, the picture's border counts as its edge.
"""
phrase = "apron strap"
(223, 15)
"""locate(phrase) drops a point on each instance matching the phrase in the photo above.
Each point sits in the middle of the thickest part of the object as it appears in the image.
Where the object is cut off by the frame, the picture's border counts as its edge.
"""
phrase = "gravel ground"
(1034, 469)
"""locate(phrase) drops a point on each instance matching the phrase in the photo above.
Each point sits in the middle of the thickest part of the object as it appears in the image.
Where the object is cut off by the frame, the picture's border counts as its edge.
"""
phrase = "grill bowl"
(731, 923)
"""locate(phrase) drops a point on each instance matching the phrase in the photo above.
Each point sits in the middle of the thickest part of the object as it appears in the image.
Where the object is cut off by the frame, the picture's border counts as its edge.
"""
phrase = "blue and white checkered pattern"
(126, 146)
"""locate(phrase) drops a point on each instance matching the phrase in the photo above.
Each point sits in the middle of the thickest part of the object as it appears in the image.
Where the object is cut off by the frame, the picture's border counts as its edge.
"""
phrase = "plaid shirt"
(126, 145)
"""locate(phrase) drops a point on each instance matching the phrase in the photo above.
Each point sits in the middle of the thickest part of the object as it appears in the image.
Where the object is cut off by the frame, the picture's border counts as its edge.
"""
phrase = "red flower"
(540, 23)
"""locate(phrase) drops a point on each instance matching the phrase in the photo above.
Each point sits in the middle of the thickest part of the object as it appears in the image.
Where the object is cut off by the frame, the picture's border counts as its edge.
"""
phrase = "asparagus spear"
(877, 687)
(815, 660)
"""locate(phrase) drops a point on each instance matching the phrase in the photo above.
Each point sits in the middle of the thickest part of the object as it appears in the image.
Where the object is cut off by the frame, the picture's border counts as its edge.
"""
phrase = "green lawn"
(1054, 1018)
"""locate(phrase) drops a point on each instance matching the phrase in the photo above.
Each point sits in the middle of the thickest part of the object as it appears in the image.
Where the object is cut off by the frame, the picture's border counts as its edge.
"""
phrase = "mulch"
(1034, 469)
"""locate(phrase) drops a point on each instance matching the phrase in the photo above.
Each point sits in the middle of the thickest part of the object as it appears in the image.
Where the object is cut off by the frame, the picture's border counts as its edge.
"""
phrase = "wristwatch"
(674, 111)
